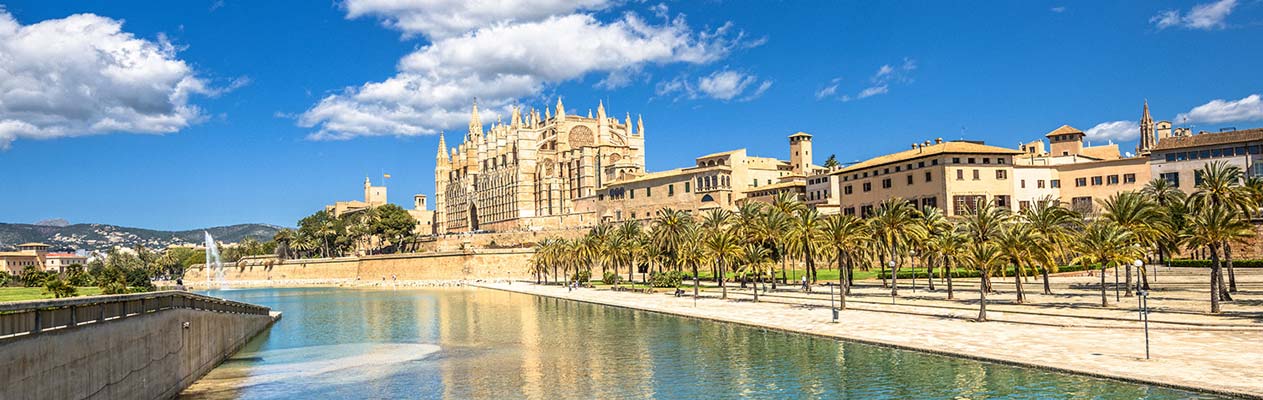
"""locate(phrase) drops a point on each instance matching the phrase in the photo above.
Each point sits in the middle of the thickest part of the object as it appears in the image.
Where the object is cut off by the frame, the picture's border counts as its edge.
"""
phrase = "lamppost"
(1117, 265)
(1138, 264)
(831, 307)
(1142, 297)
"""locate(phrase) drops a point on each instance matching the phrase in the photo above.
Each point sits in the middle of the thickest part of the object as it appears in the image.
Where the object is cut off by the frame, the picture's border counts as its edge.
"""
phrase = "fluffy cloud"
(720, 85)
(445, 18)
(505, 62)
(1117, 131)
(1205, 16)
(879, 84)
(83, 75)
(1249, 108)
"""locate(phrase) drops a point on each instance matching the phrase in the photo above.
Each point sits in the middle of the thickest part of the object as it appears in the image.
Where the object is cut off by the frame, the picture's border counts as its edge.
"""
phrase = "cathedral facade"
(527, 174)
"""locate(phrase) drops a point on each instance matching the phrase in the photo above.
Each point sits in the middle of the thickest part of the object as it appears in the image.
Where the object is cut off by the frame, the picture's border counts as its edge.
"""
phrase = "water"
(478, 343)
(213, 263)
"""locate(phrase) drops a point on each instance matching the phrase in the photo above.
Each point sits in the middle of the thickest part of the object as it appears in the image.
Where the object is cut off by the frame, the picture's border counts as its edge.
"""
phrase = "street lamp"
(893, 281)
(913, 253)
(1142, 297)
(1138, 264)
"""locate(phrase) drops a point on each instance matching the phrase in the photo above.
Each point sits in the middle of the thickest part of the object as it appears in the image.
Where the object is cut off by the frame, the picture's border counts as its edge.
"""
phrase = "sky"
(190, 114)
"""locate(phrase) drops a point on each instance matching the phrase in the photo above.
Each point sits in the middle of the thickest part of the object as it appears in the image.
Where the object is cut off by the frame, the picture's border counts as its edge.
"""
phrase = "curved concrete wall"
(151, 356)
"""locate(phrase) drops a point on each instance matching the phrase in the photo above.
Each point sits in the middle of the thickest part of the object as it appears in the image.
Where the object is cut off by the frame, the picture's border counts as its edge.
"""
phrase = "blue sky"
(186, 114)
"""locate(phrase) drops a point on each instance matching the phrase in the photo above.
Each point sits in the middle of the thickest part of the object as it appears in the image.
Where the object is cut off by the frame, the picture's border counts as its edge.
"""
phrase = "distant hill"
(104, 237)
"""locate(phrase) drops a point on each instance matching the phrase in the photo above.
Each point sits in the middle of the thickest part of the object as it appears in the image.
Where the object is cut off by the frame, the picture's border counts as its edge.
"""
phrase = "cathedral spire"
(640, 125)
(600, 110)
(517, 117)
(442, 153)
(475, 122)
(628, 123)
(1147, 138)
(561, 110)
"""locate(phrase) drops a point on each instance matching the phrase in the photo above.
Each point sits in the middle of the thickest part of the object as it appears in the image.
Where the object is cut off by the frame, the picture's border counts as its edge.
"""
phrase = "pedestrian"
(179, 285)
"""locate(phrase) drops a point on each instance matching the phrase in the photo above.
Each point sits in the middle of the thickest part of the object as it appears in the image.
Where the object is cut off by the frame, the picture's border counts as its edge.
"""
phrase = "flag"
(387, 176)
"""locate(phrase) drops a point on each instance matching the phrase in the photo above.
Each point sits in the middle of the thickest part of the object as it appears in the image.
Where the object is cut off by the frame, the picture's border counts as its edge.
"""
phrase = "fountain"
(213, 262)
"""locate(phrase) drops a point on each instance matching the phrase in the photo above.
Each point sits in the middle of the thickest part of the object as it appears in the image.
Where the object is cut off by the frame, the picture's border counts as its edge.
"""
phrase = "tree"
(1022, 246)
(771, 229)
(1053, 222)
(845, 234)
(832, 161)
(895, 225)
(722, 248)
(58, 288)
(950, 245)
(1103, 241)
(785, 204)
(1221, 186)
(808, 238)
(982, 224)
(631, 236)
(754, 262)
(1211, 227)
(984, 257)
(1139, 215)
(670, 229)
(933, 224)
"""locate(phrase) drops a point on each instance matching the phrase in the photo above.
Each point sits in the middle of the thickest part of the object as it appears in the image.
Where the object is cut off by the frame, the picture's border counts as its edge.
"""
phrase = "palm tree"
(1054, 222)
(631, 234)
(754, 262)
(933, 223)
(785, 204)
(1221, 185)
(950, 245)
(1138, 214)
(1212, 227)
(808, 239)
(1103, 241)
(982, 224)
(895, 225)
(722, 247)
(845, 234)
(692, 255)
(984, 257)
(669, 230)
(771, 229)
(1023, 246)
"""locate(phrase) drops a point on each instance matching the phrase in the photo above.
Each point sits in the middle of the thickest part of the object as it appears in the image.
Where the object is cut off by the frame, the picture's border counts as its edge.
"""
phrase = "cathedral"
(527, 174)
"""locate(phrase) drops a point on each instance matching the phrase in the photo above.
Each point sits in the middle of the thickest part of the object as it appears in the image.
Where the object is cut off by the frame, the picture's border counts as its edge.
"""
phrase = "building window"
(909, 179)
(1096, 181)
(849, 211)
(986, 160)
(1022, 183)
(921, 164)
(955, 160)
(670, 190)
(649, 192)
(934, 162)
(1039, 184)
(866, 211)
(686, 186)
(1171, 177)
(707, 198)
(1083, 205)
(1023, 205)
(977, 174)
(885, 183)
(967, 204)
(1055, 183)
(960, 174)
(1170, 157)
(847, 189)
(971, 160)
(929, 201)
(631, 193)
(1000, 160)
(1001, 174)
(1080, 182)
(1112, 179)
(868, 186)
(1197, 177)
(929, 177)
(1002, 201)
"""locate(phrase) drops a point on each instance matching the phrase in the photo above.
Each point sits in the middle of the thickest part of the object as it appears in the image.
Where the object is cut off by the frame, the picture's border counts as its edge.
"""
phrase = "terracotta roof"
(32, 244)
(1106, 152)
(931, 150)
(1064, 130)
(801, 134)
(16, 254)
(67, 255)
(1210, 139)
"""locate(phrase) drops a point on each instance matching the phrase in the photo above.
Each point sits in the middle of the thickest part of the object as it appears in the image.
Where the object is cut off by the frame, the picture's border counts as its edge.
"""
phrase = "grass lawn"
(35, 293)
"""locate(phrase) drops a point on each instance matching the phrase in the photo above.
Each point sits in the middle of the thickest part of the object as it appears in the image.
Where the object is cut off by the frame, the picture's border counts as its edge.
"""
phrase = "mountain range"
(104, 237)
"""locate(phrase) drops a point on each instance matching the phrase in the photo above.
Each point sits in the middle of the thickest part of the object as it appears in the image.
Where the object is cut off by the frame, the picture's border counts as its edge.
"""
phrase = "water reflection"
(453, 343)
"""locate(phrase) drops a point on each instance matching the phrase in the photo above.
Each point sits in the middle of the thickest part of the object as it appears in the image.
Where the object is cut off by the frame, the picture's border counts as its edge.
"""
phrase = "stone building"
(528, 173)
(1177, 158)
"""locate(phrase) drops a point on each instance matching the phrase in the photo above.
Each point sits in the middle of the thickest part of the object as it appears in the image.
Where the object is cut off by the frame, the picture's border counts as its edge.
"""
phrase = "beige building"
(27, 255)
(60, 261)
(953, 175)
(1177, 158)
(375, 196)
(529, 173)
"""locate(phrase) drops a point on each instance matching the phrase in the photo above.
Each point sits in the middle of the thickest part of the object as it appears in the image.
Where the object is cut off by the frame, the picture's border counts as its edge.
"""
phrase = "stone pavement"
(1211, 353)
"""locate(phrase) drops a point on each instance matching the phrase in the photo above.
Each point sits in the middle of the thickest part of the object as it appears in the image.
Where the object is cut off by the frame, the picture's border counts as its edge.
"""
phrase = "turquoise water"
(478, 343)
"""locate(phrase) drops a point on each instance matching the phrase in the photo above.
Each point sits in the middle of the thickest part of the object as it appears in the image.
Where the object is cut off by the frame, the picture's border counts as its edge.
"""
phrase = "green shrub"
(1186, 263)
(58, 288)
(583, 276)
(5, 278)
(32, 276)
(612, 278)
(967, 272)
(667, 279)
(79, 278)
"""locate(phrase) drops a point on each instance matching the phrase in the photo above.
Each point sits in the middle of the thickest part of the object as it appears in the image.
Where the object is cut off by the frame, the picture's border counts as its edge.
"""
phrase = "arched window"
(707, 198)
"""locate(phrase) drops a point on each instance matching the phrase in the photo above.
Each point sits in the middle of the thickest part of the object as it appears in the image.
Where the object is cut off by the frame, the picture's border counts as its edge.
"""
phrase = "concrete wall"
(448, 265)
(149, 356)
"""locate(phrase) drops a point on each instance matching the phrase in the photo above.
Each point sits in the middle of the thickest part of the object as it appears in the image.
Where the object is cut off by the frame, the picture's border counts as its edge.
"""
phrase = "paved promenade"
(1189, 349)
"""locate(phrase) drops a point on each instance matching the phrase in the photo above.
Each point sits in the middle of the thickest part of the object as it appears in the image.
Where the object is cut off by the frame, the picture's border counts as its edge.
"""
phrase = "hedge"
(1206, 263)
(958, 272)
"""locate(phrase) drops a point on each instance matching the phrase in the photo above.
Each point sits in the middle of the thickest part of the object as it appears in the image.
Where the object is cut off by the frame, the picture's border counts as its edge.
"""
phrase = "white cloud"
(1205, 16)
(720, 85)
(879, 84)
(830, 90)
(873, 91)
(1249, 108)
(1058, 9)
(83, 75)
(446, 18)
(1118, 131)
(505, 62)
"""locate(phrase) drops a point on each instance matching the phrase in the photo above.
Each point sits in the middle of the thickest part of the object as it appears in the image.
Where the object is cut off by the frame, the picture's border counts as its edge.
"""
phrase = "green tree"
(1054, 223)
(1104, 242)
(895, 226)
(1212, 226)
(832, 161)
(1141, 216)
(58, 288)
(985, 257)
(722, 248)
(845, 234)
(807, 239)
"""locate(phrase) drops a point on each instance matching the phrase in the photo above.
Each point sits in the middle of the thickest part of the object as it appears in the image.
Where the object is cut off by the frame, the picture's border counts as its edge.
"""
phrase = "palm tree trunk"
(722, 287)
(1127, 281)
(947, 266)
(842, 286)
(1104, 300)
(929, 272)
(1214, 281)
(882, 260)
(1232, 276)
(1017, 281)
(982, 298)
(1047, 286)
(756, 288)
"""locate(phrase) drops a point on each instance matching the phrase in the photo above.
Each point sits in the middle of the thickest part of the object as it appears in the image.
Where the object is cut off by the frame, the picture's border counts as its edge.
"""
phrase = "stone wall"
(442, 265)
(151, 356)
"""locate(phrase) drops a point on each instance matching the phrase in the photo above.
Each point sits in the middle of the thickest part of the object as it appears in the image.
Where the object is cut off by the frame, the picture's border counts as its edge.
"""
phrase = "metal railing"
(23, 318)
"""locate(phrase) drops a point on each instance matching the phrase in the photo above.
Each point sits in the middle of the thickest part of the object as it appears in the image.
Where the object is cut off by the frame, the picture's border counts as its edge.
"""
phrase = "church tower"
(1147, 136)
(442, 174)
(800, 153)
